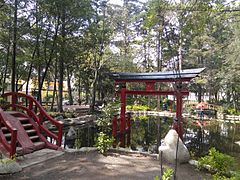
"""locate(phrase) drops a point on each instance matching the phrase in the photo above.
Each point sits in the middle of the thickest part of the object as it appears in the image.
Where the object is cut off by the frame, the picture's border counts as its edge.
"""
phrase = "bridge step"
(37, 146)
(31, 131)
(34, 138)
(15, 113)
(31, 134)
(27, 126)
(23, 120)
(5, 130)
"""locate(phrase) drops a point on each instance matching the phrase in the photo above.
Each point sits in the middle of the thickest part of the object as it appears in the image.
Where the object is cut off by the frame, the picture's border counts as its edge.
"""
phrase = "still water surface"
(148, 133)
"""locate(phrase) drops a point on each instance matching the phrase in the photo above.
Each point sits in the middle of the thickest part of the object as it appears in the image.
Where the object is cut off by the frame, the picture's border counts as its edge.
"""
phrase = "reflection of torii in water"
(200, 107)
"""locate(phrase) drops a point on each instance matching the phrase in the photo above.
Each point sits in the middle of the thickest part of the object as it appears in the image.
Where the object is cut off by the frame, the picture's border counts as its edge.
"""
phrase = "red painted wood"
(30, 105)
(150, 86)
(178, 125)
(43, 114)
(122, 115)
(128, 129)
(122, 78)
(11, 148)
(22, 136)
(155, 93)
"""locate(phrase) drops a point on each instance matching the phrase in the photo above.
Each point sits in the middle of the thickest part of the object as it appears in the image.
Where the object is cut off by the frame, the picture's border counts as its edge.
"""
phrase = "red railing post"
(128, 128)
(59, 141)
(114, 130)
(30, 104)
(13, 143)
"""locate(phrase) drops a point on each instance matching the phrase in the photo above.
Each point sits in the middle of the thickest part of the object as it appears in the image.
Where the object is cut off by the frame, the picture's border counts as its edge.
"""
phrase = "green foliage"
(77, 143)
(217, 162)
(2, 100)
(232, 111)
(137, 107)
(104, 142)
(7, 160)
(141, 118)
(235, 176)
(104, 119)
(166, 175)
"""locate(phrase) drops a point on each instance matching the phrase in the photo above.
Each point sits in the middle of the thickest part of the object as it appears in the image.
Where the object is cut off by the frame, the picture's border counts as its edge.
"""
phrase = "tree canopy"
(80, 42)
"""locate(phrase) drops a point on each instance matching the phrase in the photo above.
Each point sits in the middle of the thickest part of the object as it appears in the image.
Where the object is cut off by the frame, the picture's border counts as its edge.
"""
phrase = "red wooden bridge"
(23, 126)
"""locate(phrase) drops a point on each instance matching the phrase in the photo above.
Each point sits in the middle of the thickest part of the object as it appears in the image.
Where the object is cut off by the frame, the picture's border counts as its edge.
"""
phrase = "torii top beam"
(167, 76)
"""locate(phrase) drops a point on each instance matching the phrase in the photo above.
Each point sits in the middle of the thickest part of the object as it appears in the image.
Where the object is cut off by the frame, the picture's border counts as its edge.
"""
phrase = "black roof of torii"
(167, 76)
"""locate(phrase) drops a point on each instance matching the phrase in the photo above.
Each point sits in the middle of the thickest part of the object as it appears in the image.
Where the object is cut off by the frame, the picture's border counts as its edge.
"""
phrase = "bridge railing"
(26, 103)
(10, 146)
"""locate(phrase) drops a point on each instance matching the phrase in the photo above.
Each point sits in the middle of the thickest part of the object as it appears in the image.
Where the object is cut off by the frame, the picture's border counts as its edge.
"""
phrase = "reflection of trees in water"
(84, 136)
(222, 136)
(195, 141)
(147, 132)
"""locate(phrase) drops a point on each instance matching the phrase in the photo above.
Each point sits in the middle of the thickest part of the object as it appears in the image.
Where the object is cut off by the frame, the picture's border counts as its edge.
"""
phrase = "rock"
(237, 142)
(71, 132)
(8, 166)
(169, 148)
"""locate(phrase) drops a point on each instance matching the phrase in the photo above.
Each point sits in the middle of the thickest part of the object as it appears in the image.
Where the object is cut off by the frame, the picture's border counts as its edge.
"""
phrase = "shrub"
(166, 175)
(217, 162)
(221, 177)
(104, 142)
(137, 107)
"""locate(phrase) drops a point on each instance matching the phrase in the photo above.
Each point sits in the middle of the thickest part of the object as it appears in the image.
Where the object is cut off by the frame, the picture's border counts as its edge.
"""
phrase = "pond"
(224, 136)
(148, 132)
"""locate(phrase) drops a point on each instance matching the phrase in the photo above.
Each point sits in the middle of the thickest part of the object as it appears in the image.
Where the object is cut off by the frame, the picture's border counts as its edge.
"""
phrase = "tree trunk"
(79, 91)
(6, 66)
(97, 60)
(47, 99)
(14, 47)
(228, 97)
(87, 94)
(28, 78)
(234, 99)
(54, 88)
(39, 96)
(94, 91)
(61, 62)
(216, 96)
(51, 52)
(69, 86)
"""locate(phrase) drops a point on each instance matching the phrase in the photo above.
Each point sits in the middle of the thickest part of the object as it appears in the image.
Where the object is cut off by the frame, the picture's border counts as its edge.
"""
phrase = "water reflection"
(146, 132)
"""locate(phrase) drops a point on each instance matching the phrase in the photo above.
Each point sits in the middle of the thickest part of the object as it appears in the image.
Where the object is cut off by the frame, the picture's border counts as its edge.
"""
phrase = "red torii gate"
(177, 77)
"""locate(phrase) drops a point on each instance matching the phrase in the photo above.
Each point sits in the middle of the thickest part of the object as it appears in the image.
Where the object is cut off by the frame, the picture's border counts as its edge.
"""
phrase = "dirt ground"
(92, 165)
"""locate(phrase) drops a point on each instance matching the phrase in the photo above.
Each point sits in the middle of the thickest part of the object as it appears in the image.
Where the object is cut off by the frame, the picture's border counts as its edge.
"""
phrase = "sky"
(120, 2)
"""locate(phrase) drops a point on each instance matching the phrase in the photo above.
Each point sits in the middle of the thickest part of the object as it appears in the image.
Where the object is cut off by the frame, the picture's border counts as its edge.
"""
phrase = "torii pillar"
(178, 124)
(123, 114)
